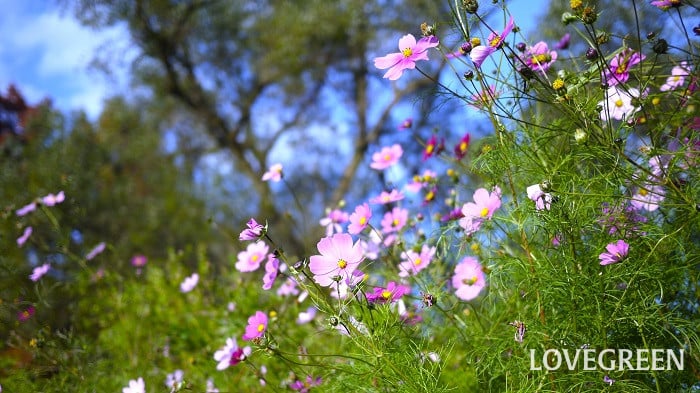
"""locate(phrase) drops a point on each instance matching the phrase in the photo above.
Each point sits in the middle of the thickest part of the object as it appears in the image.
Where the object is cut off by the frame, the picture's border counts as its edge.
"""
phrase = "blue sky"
(47, 53)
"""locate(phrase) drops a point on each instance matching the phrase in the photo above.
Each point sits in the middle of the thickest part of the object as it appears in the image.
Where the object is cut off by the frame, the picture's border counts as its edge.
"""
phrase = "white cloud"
(47, 54)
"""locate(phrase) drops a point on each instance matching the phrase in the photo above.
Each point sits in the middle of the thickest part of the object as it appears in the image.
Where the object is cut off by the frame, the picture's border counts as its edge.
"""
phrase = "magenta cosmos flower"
(469, 278)
(666, 4)
(539, 57)
(618, 71)
(413, 262)
(359, 219)
(139, 260)
(387, 157)
(495, 41)
(250, 259)
(390, 294)
(254, 231)
(433, 147)
(306, 385)
(230, 354)
(409, 53)
(339, 257)
(462, 146)
(257, 324)
(648, 197)
(23, 316)
(616, 252)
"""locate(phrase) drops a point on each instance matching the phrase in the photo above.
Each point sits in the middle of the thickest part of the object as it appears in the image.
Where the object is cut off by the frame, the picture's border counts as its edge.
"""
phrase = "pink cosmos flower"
(257, 324)
(469, 278)
(306, 385)
(306, 316)
(483, 99)
(618, 104)
(620, 65)
(51, 199)
(387, 157)
(413, 262)
(494, 42)
(172, 380)
(39, 272)
(139, 260)
(135, 386)
(339, 258)
(409, 53)
(484, 205)
(25, 236)
(406, 124)
(26, 209)
(648, 197)
(539, 57)
(390, 294)
(333, 221)
(97, 250)
(429, 177)
(273, 174)
(254, 231)
(288, 288)
(387, 197)
(230, 354)
(250, 259)
(271, 269)
(616, 252)
(543, 200)
(677, 78)
(23, 316)
(394, 220)
(462, 146)
(359, 219)
(189, 283)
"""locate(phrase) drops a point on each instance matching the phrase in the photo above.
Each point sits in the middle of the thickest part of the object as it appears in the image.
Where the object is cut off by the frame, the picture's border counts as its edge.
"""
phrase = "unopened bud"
(471, 6)
(580, 136)
(660, 46)
(591, 54)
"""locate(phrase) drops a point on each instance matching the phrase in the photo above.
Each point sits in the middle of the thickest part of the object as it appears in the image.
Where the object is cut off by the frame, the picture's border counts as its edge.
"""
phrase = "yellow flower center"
(619, 103)
(557, 84)
(675, 78)
(407, 52)
(387, 157)
(495, 41)
(254, 258)
(475, 41)
(469, 281)
(363, 220)
(395, 222)
(643, 192)
(484, 212)
(261, 327)
(463, 146)
(417, 261)
(543, 58)
(429, 149)
(430, 195)
(386, 294)
(342, 263)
